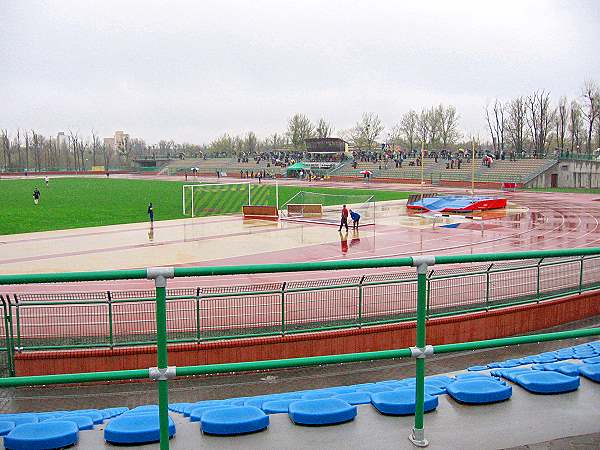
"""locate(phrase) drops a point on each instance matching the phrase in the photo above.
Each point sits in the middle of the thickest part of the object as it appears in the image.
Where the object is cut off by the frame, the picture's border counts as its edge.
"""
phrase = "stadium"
(255, 277)
(299, 225)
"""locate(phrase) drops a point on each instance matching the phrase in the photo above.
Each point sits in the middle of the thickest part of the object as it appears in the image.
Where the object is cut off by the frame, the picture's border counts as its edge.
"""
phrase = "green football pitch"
(87, 202)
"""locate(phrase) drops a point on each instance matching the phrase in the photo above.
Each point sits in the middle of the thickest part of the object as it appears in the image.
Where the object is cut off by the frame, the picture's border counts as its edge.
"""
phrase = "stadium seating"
(548, 373)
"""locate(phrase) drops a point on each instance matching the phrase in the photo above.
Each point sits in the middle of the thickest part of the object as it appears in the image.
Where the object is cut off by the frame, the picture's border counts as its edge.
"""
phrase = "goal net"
(325, 208)
(200, 200)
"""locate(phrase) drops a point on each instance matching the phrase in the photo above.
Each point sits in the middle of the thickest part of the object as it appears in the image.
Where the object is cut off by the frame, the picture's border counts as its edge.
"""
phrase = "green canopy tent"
(297, 167)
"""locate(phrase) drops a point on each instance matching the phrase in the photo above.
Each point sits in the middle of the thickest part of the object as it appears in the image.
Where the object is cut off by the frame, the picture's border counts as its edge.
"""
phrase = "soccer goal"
(317, 207)
(226, 198)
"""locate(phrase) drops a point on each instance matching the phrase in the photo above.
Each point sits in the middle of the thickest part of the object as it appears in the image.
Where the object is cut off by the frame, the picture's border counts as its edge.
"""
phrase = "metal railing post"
(110, 320)
(420, 351)
(283, 308)
(198, 314)
(162, 372)
(18, 316)
(487, 286)
(581, 261)
(360, 300)
(537, 295)
(429, 275)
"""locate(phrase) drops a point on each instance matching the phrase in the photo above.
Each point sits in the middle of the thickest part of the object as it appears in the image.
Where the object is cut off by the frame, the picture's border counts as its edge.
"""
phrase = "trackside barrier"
(162, 373)
(111, 319)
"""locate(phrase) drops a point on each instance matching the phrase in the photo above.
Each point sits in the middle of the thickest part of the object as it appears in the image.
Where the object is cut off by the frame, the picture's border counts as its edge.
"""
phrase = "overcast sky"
(192, 70)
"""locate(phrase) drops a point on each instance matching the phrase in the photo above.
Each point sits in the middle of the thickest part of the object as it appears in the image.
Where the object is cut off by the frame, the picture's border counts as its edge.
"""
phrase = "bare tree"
(95, 146)
(408, 127)
(26, 151)
(575, 125)
(515, 126)
(591, 109)
(423, 127)
(497, 125)
(434, 117)
(448, 125)
(5, 143)
(539, 117)
(561, 119)
(38, 142)
(17, 145)
(299, 129)
(367, 130)
(74, 141)
(324, 129)
(250, 142)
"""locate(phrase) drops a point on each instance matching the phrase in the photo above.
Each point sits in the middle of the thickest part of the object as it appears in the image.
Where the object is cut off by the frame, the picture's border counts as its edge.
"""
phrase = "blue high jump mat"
(547, 382)
(355, 398)
(136, 429)
(233, 420)
(401, 402)
(590, 371)
(43, 435)
(325, 411)
(479, 391)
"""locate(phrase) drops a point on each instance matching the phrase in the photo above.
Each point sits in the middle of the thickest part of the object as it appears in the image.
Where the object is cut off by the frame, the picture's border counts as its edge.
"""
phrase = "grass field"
(87, 202)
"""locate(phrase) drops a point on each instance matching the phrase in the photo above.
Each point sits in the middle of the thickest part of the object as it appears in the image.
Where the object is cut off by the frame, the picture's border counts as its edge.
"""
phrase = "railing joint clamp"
(421, 352)
(157, 374)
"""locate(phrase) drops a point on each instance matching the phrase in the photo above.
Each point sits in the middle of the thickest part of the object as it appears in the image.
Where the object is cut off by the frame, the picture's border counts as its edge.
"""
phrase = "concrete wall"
(574, 174)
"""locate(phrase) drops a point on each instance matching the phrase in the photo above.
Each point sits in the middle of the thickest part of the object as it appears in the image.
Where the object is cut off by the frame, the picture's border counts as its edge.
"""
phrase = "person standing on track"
(46, 180)
(344, 221)
(151, 212)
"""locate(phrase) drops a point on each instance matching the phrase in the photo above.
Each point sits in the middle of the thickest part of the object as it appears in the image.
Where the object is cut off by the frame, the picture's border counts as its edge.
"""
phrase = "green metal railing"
(163, 373)
(109, 319)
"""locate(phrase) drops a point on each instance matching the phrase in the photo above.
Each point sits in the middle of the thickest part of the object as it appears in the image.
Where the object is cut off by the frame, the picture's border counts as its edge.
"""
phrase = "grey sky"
(194, 70)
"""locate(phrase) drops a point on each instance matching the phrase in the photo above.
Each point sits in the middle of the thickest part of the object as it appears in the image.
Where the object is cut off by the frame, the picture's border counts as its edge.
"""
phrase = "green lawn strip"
(87, 202)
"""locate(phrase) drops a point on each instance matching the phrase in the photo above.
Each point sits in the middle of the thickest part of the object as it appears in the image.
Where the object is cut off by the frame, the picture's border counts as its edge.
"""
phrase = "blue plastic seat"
(257, 402)
(198, 411)
(43, 435)
(439, 380)
(6, 427)
(375, 389)
(541, 359)
(343, 389)
(136, 429)
(479, 391)
(477, 368)
(118, 410)
(48, 415)
(325, 411)
(314, 395)
(83, 422)
(234, 420)
(593, 360)
(547, 382)
(563, 367)
(355, 398)
(469, 375)
(590, 371)
(401, 402)
(95, 415)
(19, 419)
(511, 374)
(279, 406)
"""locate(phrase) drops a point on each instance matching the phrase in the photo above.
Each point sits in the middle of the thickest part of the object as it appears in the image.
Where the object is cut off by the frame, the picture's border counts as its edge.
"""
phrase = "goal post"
(325, 208)
(226, 198)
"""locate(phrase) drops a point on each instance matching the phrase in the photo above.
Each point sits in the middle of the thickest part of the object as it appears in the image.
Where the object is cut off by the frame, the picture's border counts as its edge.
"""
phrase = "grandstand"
(520, 171)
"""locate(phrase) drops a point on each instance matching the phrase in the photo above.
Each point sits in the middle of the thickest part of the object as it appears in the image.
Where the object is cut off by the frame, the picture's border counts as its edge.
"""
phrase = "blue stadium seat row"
(545, 373)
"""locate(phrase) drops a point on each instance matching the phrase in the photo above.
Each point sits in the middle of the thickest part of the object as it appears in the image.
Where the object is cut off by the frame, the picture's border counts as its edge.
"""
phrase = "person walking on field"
(355, 218)
(344, 221)
(47, 180)
(36, 196)
(151, 212)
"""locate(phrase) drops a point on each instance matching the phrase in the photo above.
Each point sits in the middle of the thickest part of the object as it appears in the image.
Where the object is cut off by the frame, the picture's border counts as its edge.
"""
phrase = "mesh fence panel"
(315, 309)
(389, 301)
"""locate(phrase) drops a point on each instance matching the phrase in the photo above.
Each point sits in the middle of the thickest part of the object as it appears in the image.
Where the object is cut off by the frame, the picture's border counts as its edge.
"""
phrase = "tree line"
(531, 124)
